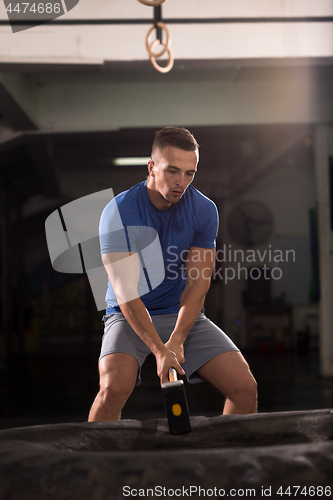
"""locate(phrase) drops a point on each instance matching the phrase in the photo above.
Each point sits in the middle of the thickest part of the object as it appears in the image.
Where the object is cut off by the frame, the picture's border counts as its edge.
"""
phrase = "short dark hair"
(178, 137)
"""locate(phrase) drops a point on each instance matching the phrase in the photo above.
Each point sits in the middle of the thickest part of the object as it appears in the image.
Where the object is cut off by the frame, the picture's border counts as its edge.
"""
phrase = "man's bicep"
(199, 264)
(123, 269)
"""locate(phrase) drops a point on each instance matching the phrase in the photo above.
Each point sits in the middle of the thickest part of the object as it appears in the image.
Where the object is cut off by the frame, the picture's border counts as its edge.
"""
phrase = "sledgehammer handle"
(172, 374)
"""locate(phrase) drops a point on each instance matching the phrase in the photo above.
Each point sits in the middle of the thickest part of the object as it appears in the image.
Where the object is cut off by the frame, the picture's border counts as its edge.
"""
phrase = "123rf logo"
(25, 15)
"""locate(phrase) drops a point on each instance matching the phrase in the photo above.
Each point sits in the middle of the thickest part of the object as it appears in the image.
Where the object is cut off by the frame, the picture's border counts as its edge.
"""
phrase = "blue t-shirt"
(130, 222)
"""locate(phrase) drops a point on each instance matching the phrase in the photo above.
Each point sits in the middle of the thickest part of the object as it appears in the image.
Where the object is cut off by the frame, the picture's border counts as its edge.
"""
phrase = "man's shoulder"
(123, 204)
(130, 195)
(201, 200)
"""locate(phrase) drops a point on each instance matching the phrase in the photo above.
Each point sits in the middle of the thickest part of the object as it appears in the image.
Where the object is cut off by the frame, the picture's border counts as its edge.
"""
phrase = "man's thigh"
(204, 342)
(118, 370)
(120, 338)
(229, 372)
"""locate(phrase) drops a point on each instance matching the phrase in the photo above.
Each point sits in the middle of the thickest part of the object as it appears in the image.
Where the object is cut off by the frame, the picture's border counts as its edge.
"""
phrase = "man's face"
(170, 172)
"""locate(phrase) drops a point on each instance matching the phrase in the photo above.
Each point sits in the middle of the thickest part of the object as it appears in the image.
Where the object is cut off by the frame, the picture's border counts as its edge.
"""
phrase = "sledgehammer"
(176, 404)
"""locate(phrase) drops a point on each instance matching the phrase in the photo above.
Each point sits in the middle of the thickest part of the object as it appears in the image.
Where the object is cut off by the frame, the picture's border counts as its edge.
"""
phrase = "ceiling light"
(134, 161)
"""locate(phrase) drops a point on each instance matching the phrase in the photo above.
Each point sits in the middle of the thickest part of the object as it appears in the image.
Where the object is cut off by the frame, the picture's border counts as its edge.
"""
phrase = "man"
(166, 319)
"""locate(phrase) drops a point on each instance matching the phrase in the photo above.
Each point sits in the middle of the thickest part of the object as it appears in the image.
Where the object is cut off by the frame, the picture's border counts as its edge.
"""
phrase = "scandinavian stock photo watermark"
(266, 263)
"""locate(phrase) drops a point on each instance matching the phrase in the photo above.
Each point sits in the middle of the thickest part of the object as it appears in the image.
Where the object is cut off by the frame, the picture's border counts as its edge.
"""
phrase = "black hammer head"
(176, 407)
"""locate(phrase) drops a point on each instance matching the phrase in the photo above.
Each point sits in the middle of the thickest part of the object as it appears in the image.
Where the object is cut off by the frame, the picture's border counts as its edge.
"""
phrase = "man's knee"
(250, 387)
(245, 389)
(114, 393)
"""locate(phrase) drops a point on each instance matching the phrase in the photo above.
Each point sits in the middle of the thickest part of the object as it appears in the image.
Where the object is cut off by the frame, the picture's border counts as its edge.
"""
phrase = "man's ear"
(150, 168)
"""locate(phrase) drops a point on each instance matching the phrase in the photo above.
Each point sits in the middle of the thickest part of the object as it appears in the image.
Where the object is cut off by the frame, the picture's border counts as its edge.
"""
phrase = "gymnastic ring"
(149, 47)
(152, 3)
(169, 66)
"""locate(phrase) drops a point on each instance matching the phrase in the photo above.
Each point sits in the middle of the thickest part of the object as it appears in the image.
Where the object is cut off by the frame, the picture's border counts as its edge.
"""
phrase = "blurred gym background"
(253, 81)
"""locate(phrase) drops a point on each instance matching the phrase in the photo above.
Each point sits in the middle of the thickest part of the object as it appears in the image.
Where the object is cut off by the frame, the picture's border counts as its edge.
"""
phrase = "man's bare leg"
(118, 373)
(230, 373)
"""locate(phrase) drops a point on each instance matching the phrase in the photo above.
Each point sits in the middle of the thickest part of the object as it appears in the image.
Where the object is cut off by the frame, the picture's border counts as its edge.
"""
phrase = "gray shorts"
(204, 341)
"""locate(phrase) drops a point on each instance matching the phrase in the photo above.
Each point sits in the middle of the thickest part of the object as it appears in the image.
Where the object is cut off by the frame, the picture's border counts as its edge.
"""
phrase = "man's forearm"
(138, 317)
(190, 305)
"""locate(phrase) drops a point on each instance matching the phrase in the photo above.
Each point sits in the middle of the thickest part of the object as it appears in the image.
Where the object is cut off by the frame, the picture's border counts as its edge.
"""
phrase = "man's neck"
(157, 199)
